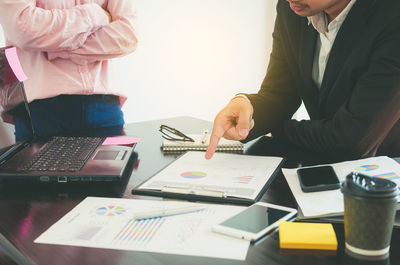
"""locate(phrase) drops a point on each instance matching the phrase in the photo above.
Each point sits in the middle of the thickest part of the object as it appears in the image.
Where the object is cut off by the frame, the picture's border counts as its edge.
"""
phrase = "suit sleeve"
(117, 39)
(360, 124)
(33, 28)
(277, 100)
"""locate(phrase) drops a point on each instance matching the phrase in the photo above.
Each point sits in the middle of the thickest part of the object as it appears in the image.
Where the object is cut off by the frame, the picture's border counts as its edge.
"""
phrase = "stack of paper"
(330, 203)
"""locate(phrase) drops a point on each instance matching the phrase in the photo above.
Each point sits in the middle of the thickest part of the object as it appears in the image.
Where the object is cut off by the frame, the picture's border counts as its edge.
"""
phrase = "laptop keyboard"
(65, 154)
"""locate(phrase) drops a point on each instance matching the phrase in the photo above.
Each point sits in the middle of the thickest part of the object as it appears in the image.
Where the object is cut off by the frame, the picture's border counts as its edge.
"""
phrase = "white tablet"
(255, 221)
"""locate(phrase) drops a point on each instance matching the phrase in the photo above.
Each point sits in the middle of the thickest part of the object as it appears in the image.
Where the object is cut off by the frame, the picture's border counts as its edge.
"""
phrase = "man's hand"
(232, 122)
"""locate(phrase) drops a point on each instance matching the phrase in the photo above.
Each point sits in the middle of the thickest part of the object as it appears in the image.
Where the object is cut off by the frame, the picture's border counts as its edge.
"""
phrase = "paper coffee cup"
(369, 211)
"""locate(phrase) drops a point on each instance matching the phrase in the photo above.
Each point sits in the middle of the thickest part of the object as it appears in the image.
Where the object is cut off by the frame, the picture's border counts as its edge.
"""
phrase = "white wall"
(194, 55)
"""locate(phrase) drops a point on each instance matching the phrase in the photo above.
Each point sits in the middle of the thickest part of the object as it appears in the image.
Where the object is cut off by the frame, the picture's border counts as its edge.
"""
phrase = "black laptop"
(55, 158)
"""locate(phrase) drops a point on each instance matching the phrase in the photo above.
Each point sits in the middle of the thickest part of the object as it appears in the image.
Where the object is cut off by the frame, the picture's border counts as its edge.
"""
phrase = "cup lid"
(357, 184)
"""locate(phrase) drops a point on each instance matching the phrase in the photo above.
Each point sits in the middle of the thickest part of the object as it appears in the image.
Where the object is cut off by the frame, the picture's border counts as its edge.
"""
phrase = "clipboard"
(205, 193)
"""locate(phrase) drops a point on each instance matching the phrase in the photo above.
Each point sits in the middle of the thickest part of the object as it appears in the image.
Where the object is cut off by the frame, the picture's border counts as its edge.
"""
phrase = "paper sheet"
(121, 140)
(108, 223)
(238, 175)
(223, 144)
(330, 203)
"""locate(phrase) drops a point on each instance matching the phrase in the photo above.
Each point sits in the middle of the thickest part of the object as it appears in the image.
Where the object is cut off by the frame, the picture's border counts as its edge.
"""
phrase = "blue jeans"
(70, 115)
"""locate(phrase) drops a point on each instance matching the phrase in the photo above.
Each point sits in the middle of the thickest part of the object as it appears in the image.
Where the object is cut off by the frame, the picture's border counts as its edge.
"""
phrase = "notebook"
(55, 159)
(201, 144)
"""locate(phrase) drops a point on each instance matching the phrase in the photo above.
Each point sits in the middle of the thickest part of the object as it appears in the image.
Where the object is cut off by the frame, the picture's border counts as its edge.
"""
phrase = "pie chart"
(110, 210)
(366, 168)
(193, 175)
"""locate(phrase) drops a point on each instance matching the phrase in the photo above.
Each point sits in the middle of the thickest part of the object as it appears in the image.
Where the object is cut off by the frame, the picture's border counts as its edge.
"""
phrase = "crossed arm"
(82, 33)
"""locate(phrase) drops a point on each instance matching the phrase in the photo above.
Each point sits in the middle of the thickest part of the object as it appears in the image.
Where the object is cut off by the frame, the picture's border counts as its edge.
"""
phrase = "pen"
(204, 138)
(167, 212)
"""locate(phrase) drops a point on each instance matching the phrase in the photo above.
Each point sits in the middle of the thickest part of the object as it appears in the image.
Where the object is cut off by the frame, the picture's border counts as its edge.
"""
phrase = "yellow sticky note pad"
(299, 235)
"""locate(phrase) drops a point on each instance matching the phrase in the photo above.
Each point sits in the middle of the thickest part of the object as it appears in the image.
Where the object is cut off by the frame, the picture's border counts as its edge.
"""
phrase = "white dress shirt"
(327, 35)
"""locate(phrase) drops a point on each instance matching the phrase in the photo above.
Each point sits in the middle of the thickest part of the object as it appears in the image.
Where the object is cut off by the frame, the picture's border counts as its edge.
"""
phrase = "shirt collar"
(320, 20)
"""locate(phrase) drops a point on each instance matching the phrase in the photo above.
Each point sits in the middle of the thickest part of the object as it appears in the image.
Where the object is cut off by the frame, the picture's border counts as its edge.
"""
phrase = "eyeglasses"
(173, 134)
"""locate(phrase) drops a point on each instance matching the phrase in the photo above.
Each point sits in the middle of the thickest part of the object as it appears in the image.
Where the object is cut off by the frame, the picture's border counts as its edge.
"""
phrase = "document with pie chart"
(109, 223)
(330, 203)
(234, 175)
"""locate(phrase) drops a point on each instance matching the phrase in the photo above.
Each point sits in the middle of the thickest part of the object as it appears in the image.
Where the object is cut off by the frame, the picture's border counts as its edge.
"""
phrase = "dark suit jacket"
(356, 111)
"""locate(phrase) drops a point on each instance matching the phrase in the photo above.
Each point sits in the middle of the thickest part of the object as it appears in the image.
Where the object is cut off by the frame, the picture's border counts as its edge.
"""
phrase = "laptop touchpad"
(109, 155)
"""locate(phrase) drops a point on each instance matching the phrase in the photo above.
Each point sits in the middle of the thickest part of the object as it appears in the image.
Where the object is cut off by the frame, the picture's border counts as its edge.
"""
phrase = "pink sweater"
(64, 46)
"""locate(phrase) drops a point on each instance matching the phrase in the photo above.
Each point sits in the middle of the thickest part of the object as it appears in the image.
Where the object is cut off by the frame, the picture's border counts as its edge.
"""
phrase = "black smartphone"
(318, 178)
